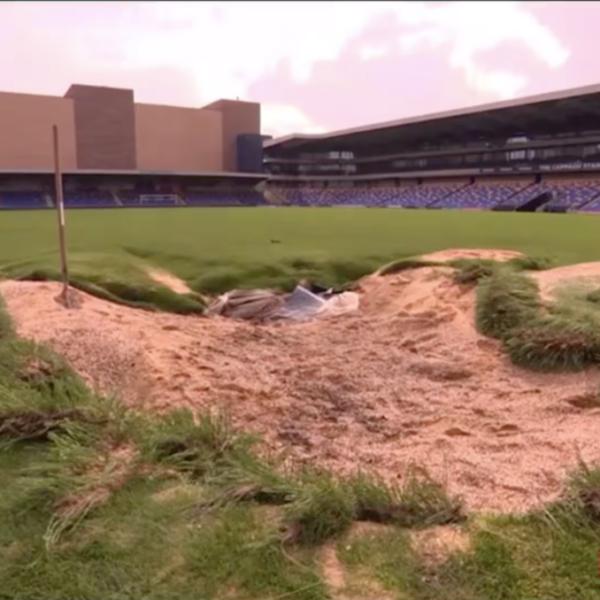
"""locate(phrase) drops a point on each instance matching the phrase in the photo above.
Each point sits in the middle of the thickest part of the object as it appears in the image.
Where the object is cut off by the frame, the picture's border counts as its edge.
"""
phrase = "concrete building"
(104, 129)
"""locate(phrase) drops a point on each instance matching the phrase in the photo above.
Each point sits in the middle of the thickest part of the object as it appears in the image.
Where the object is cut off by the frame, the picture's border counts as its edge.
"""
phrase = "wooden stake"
(60, 214)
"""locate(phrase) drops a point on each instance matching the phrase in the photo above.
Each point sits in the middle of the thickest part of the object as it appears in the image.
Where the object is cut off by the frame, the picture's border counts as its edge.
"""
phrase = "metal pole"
(60, 213)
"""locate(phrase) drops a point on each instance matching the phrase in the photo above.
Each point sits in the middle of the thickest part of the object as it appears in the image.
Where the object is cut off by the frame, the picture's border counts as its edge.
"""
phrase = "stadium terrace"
(536, 154)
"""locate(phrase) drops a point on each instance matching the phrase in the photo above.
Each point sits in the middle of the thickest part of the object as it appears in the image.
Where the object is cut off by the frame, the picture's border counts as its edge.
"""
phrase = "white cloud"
(279, 119)
(221, 47)
(470, 28)
(250, 38)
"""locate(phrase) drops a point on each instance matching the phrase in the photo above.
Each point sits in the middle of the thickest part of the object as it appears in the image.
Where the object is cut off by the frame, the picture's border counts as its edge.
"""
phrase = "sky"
(314, 66)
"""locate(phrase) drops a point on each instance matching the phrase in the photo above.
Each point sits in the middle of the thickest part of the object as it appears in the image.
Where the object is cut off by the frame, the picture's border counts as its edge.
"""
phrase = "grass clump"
(530, 263)
(421, 502)
(116, 278)
(552, 343)
(39, 393)
(201, 446)
(326, 507)
(152, 297)
(6, 326)
(593, 297)
(490, 569)
(558, 336)
(506, 300)
(282, 274)
(206, 451)
(584, 492)
(469, 272)
(407, 264)
(322, 509)
(37, 368)
(551, 552)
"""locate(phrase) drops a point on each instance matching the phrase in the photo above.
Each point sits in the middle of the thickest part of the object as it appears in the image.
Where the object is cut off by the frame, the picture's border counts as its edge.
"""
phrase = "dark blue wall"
(250, 153)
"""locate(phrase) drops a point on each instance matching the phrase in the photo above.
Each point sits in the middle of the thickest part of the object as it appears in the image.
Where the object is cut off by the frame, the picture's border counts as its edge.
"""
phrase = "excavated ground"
(406, 379)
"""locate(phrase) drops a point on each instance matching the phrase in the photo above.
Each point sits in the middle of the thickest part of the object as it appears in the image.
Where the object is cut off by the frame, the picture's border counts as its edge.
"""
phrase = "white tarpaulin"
(300, 305)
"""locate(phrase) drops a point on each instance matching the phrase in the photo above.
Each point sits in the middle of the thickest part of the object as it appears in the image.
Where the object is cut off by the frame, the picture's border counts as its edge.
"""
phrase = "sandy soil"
(585, 276)
(435, 544)
(169, 280)
(405, 379)
(342, 587)
(454, 253)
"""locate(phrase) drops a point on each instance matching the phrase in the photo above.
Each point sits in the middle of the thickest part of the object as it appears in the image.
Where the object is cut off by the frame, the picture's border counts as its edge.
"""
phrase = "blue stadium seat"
(482, 195)
(211, 199)
(90, 199)
(573, 194)
(374, 196)
(415, 196)
(22, 199)
(249, 198)
(525, 195)
(134, 198)
(569, 194)
(421, 196)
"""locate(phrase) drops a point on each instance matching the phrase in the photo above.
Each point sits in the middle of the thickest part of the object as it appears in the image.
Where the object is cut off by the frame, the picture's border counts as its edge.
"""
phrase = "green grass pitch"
(217, 248)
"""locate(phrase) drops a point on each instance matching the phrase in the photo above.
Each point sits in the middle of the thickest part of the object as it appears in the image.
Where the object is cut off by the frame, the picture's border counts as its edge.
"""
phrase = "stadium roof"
(556, 112)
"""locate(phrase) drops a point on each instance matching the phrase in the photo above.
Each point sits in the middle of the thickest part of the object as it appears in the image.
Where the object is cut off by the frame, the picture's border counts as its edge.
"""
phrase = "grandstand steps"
(451, 193)
(48, 200)
(116, 198)
(275, 197)
(589, 201)
(179, 201)
(537, 203)
(513, 201)
(514, 195)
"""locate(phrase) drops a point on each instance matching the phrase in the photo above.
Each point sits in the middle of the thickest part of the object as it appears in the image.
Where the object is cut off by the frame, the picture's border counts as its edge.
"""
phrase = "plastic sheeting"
(254, 305)
(340, 304)
(300, 305)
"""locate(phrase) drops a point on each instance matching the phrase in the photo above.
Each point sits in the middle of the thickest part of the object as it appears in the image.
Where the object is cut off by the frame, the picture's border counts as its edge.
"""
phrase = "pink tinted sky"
(314, 66)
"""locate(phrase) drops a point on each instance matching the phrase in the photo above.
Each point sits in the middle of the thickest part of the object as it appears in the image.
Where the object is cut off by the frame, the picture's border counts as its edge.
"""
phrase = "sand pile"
(170, 281)
(584, 277)
(455, 253)
(404, 379)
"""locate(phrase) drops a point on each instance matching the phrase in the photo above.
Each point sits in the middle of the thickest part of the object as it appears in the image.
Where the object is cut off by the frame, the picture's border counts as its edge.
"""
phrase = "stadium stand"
(528, 147)
(135, 198)
(249, 198)
(572, 194)
(356, 196)
(334, 196)
(424, 195)
(303, 197)
(525, 195)
(447, 195)
(117, 152)
(478, 195)
(210, 199)
(534, 154)
(344, 197)
(481, 195)
(384, 196)
(89, 199)
(22, 199)
(592, 206)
